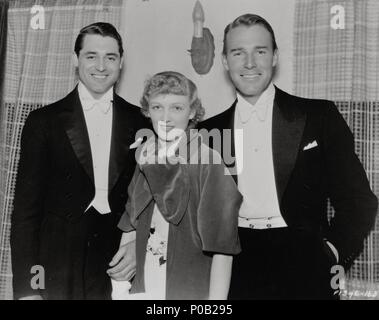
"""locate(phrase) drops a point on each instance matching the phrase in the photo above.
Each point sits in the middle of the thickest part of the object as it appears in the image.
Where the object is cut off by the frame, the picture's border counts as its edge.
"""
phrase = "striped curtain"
(337, 58)
(3, 40)
(38, 71)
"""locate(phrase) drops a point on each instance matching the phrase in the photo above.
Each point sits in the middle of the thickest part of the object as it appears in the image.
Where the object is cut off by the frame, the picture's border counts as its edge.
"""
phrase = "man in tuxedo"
(295, 154)
(73, 176)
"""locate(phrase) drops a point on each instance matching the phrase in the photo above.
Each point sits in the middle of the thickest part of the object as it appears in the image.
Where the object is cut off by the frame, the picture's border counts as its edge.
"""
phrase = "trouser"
(103, 239)
(281, 264)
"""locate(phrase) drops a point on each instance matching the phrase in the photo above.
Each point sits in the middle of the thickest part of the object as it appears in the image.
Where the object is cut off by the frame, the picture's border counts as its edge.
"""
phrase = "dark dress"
(201, 204)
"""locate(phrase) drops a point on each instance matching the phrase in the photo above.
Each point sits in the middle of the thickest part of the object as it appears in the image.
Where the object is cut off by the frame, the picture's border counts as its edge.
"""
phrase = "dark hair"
(100, 28)
(170, 82)
(249, 20)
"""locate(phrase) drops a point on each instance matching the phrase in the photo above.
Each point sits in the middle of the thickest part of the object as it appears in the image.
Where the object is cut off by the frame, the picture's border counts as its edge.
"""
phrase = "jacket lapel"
(74, 124)
(123, 135)
(221, 122)
(229, 125)
(287, 130)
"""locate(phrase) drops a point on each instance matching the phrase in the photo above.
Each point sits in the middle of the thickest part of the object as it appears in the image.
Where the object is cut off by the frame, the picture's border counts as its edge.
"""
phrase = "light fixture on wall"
(203, 47)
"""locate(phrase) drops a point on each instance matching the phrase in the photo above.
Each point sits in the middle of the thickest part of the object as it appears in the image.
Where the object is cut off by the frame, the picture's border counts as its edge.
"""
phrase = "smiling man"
(296, 153)
(72, 182)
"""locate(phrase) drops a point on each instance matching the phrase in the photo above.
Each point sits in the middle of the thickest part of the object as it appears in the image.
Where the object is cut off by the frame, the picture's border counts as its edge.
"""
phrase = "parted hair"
(248, 20)
(99, 28)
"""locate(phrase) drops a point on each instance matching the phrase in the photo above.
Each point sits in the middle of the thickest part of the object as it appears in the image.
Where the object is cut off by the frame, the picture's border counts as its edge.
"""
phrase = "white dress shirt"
(98, 116)
(256, 181)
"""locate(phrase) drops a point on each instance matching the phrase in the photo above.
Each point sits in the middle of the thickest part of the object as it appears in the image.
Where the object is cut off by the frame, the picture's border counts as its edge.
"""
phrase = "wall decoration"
(203, 47)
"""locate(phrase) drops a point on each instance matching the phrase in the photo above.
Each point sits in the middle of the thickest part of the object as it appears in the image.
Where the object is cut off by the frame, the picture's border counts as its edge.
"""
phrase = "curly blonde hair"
(170, 82)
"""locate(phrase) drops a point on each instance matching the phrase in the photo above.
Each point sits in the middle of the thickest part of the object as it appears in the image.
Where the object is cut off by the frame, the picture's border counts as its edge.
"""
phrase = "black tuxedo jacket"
(306, 178)
(55, 183)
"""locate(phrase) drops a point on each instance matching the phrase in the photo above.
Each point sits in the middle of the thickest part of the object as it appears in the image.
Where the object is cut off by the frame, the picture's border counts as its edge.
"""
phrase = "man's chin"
(99, 90)
(252, 91)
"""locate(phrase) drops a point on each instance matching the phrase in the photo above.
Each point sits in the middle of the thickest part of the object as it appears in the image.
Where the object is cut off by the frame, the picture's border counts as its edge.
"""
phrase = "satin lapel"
(122, 137)
(75, 126)
(287, 130)
(229, 125)
(224, 123)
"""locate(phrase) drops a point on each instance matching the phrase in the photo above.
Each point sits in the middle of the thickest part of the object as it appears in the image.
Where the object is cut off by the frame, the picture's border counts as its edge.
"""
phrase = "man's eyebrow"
(236, 49)
(256, 47)
(113, 54)
(90, 53)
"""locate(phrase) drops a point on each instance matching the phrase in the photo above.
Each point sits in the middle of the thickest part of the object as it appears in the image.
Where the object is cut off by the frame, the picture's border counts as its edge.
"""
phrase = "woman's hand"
(123, 264)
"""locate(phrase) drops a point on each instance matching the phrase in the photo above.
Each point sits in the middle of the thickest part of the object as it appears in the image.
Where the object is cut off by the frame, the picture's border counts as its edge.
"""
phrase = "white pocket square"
(136, 144)
(311, 145)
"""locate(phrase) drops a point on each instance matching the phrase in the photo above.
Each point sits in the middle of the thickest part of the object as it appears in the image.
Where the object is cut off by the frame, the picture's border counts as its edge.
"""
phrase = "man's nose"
(100, 65)
(250, 61)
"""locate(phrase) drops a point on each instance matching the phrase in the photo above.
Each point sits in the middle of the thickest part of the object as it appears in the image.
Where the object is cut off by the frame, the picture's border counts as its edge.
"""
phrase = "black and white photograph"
(189, 150)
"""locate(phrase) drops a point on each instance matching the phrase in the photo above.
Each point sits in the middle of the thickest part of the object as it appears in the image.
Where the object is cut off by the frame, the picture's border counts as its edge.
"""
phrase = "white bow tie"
(247, 113)
(103, 105)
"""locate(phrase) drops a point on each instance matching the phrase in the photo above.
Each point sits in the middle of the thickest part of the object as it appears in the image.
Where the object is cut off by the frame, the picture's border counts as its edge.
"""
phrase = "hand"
(124, 263)
(36, 297)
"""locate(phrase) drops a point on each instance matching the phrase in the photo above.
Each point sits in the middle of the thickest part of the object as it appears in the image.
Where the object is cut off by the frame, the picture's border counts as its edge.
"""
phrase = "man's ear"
(275, 59)
(121, 63)
(75, 60)
(225, 62)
